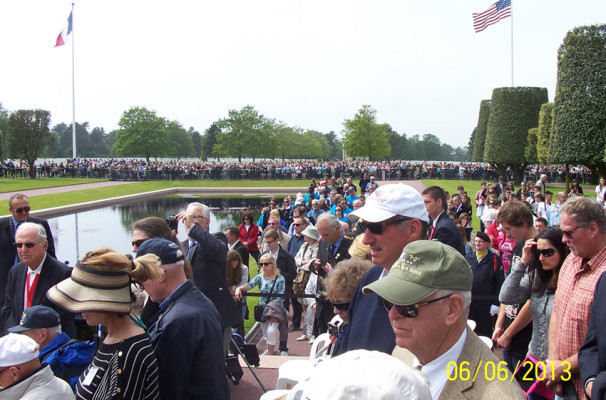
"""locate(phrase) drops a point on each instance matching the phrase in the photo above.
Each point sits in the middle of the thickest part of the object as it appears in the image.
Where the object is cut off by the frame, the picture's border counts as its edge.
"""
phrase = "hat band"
(104, 280)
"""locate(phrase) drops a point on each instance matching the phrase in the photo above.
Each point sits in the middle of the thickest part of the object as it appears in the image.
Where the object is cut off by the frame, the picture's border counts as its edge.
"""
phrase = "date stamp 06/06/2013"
(527, 371)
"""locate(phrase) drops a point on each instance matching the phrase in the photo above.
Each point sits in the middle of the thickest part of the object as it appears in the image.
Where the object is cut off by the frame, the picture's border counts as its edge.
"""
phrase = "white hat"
(391, 200)
(362, 374)
(16, 349)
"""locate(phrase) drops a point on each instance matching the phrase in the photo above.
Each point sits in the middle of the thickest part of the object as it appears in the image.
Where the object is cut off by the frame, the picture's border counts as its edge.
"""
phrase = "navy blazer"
(8, 251)
(448, 233)
(208, 262)
(53, 272)
(592, 356)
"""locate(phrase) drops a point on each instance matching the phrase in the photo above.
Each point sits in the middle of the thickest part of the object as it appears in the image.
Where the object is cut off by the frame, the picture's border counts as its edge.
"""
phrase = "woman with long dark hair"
(535, 276)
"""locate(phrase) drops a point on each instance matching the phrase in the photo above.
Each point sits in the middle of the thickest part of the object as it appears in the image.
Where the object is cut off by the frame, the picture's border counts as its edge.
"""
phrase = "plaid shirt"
(572, 304)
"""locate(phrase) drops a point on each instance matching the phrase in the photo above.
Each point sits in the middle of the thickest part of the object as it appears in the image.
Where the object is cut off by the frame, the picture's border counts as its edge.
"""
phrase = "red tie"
(433, 229)
(30, 289)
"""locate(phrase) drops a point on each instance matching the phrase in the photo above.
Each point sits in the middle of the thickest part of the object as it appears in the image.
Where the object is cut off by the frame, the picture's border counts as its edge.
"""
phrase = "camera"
(333, 328)
(317, 269)
(172, 222)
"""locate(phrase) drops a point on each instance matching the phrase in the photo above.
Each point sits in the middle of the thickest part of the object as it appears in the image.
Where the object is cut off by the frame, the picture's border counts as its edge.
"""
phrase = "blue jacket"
(67, 357)
(188, 342)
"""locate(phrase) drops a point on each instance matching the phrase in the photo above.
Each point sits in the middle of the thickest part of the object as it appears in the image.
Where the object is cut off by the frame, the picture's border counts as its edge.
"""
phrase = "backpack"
(300, 281)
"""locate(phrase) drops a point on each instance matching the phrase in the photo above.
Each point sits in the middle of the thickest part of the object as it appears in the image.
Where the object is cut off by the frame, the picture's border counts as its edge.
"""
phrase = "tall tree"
(579, 124)
(480, 131)
(531, 147)
(3, 130)
(398, 144)
(544, 132)
(470, 145)
(364, 137)
(28, 135)
(196, 140)
(209, 140)
(98, 144)
(513, 111)
(242, 133)
(142, 133)
(178, 135)
(432, 146)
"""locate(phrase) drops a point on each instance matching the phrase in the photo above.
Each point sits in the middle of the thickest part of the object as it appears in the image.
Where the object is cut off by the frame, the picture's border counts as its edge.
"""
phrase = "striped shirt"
(572, 304)
(125, 370)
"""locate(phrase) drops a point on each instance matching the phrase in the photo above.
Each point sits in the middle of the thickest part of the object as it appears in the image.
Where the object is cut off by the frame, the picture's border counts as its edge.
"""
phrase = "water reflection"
(78, 233)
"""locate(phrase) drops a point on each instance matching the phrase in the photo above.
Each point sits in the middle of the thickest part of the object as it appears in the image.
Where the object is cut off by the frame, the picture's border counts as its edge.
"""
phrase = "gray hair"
(332, 221)
(584, 211)
(16, 196)
(205, 209)
(54, 330)
(466, 298)
(40, 228)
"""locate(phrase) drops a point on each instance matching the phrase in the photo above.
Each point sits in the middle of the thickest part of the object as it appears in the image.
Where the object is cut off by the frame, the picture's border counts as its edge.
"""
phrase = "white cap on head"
(388, 201)
(16, 349)
(362, 374)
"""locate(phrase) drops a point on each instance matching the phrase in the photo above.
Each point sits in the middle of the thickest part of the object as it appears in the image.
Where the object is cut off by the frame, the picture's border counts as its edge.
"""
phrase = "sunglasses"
(264, 264)
(297, 224)
(377, 228)
(546, 252)
(28, 245)
(138, 243)
(341, 306)
(22, 209)
(412, 310)
(569, 234)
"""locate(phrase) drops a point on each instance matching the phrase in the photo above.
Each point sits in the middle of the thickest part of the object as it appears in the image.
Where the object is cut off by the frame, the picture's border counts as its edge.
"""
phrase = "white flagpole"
(73, 91)
(511, 43)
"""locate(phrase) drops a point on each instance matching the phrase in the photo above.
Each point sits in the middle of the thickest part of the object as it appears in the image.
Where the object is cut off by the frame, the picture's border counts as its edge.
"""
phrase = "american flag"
(499, 10)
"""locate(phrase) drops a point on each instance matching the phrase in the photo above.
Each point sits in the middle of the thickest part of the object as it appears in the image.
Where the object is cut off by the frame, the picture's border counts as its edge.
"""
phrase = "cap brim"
(18, 328)
(399, 291)
(370, 213)
(75, 297)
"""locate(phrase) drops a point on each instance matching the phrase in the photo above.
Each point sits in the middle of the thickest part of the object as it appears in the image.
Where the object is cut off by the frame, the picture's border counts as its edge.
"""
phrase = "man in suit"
(207, 254)
(19, 207)
(233, 243)
(29, 280)
(442, 227)
(334, 247)
(288, 269)
(428, 294)
(592, 356)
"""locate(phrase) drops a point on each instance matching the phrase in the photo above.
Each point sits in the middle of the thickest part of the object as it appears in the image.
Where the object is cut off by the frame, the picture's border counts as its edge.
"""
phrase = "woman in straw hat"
(99, 288)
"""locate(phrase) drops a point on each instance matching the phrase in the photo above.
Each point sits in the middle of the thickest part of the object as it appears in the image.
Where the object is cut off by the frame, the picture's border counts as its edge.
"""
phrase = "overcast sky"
(310, 64)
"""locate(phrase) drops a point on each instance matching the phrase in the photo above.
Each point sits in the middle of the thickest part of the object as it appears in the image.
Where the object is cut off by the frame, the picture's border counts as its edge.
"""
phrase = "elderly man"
(23, 377)
(207, 254)
(541, 184)
(186, 333)
(316, 211)
(297, 239)
(583, 225)
(29, 280)
(18, 206)
(394, 215)
(428, 294)
(554, 211)
(67, 357)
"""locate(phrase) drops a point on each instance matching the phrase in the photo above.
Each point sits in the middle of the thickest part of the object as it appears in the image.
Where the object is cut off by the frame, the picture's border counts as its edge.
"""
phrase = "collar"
(169, 298)
(57, 342)
(39, 268)
(232, 246)
(435, 369)
(435, 221)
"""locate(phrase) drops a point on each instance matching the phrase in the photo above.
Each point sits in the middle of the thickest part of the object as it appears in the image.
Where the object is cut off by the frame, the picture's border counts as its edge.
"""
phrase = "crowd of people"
(139, 170)
(380, 267)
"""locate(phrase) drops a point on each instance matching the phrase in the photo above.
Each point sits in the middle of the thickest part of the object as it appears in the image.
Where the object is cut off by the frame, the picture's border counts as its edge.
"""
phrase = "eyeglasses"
(378, 227)
(569, 234)
(138, 243)
(269, 241)
(196, 216)
(21, 209)
(412, 310)
(262, 264)
(297, 224)
(546, 252)
(28, 245)
(341, 306)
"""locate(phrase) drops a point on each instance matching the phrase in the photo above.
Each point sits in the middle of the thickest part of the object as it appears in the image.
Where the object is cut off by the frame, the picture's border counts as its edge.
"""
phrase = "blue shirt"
(265, 285)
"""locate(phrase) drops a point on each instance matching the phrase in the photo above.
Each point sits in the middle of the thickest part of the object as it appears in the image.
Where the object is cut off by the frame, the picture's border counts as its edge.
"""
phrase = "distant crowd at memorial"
(141, 170)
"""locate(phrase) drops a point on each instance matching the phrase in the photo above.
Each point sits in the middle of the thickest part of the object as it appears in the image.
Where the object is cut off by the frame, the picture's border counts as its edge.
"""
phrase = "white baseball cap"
(390, 200)
(362, 374)
(16, 349)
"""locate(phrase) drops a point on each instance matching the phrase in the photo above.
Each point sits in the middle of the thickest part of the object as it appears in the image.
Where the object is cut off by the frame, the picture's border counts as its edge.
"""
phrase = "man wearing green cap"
(428, 293)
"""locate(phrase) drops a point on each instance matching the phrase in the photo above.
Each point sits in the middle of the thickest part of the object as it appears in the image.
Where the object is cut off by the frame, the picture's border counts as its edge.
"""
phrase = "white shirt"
(31, 275)
(435, 370)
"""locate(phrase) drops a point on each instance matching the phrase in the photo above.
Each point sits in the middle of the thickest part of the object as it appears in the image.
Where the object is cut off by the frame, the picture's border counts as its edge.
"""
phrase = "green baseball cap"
(424, 267)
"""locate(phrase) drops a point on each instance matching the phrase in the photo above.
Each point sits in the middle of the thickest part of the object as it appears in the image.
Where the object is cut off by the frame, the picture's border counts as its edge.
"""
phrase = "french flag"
(64, 35)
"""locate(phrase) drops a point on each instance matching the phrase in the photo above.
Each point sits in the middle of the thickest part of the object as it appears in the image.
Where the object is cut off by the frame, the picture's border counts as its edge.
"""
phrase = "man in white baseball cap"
(393, 216)
(21, 374)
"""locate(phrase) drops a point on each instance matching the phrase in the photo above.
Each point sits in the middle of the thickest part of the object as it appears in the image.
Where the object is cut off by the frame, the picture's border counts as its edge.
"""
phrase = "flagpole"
(73, 91)
(511, 44)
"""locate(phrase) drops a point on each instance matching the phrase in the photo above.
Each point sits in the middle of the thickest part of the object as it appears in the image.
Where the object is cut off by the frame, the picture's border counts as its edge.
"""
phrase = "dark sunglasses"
(28, 245)
(138, 243)
(546, 252)
(377, 228)
(412, 310)
(264, 264)
(341, 306)
(22, 209)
